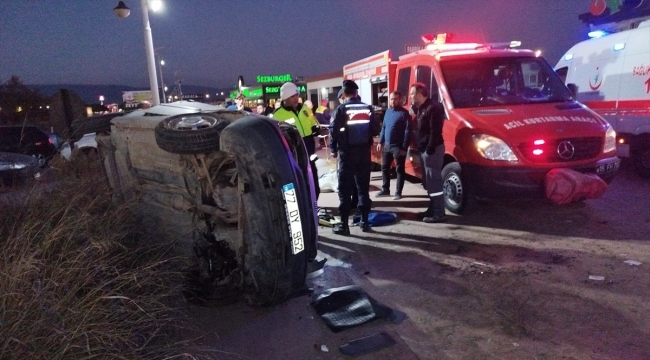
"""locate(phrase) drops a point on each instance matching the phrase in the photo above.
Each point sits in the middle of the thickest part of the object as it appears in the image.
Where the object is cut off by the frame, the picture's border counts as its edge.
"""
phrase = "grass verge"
(79, 279)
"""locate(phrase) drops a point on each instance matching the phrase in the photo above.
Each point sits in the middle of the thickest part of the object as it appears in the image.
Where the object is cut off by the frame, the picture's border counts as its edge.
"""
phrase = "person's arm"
(335, 127)
(407, 131)
(435, 117)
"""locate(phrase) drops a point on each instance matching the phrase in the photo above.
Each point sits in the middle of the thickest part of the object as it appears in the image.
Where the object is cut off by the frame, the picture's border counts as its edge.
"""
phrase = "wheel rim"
(192, 122)
(40, 158)
(453, 189)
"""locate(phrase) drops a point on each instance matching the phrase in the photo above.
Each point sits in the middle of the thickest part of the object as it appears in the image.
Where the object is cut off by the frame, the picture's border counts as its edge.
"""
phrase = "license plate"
(605, 168)
(293, 218)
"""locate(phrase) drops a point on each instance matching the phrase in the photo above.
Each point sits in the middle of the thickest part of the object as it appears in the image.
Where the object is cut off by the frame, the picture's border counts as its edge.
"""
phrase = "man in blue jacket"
(393, 144)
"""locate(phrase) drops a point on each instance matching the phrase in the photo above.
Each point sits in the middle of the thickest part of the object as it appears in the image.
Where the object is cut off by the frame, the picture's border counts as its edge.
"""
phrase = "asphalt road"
(506, 280)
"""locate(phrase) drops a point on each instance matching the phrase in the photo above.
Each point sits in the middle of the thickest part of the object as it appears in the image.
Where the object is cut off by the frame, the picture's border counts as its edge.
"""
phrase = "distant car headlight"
(493, 148)
(610, 139)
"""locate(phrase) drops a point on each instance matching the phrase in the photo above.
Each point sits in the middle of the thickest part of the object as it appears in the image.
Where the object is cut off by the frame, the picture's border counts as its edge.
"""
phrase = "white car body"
(87, 142)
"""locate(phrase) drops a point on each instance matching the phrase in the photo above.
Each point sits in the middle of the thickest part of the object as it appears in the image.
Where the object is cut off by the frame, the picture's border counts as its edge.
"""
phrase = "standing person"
(239, 103)
(395, 134)
(352, 129)
(430, 119)
(355, 193)
(295, 113)
(260, 109)
(323, 114)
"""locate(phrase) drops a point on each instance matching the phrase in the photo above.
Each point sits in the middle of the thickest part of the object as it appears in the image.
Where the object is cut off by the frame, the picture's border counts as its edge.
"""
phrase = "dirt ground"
(507, 280)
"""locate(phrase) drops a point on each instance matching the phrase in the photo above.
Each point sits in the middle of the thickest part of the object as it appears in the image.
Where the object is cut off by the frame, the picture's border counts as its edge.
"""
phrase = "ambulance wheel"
(642, 162)
(190, 133)
(454, 189)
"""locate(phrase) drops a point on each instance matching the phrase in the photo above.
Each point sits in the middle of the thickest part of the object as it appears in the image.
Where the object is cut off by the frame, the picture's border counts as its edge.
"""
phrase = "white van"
(612, 76)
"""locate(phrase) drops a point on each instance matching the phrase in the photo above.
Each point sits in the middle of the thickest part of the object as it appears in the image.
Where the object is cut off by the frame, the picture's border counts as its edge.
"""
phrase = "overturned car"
(233, 187)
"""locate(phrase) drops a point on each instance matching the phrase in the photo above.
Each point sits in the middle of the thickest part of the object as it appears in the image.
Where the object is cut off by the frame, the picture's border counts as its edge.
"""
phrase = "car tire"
(454, 188)
(642, 162)
(42, 159)
(265, 164)
(176, 135)
(100, 123)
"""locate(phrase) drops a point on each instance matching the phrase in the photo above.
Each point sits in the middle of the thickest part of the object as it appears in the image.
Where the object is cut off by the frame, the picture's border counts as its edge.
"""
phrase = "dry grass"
(79, 280)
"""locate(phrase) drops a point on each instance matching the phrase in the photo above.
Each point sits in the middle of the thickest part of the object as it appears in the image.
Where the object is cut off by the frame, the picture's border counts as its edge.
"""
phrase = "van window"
(502, 81)
(403, 81)
(425, 75)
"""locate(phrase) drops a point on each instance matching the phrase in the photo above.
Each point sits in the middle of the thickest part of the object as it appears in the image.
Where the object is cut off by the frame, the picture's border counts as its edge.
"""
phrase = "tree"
(18, 102)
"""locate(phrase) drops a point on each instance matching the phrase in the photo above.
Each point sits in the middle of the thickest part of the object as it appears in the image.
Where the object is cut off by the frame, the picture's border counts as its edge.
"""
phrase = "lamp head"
(122, 10)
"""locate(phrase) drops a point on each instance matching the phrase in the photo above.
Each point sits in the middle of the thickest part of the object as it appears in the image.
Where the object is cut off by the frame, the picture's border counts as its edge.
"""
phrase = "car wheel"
(42, 160)
(190, 133)
(275, 194)
(454, 189)
(100, 123)
(642, 163)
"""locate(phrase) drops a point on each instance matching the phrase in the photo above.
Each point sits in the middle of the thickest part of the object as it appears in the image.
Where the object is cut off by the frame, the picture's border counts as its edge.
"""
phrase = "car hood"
(521, 123)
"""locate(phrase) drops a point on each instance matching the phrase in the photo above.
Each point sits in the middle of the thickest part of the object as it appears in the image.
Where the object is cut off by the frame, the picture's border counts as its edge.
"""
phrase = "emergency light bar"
(439, 42)
(597, 34)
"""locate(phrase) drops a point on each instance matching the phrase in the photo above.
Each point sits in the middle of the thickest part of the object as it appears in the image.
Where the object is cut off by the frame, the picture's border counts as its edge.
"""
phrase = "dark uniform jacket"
(430, 118)
(353, 124)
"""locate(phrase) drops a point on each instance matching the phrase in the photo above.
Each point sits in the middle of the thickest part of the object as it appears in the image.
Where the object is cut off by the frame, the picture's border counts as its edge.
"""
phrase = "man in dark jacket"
(393, 144)
(430, 119)
(352, 129)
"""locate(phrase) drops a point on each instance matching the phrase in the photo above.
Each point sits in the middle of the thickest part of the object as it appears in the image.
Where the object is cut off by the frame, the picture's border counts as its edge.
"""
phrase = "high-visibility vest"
(302, 118)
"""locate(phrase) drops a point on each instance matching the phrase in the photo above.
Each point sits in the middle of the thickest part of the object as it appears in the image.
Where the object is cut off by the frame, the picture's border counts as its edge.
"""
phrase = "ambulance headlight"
(610, 139)
(493, 148)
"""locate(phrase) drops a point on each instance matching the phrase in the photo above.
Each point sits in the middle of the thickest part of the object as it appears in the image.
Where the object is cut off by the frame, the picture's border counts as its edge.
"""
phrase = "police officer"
(295, 113)
(352, 129)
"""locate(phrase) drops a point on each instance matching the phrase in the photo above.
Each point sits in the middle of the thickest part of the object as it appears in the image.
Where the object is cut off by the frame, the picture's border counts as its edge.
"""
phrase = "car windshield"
(502, 81)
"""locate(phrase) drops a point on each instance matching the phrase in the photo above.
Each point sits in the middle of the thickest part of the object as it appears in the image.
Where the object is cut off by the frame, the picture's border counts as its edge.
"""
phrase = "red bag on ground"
(565, 185)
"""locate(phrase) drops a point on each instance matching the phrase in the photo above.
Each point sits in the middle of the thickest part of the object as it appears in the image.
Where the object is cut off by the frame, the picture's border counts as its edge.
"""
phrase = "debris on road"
(632, 262)
(367, 344)
(596, 277)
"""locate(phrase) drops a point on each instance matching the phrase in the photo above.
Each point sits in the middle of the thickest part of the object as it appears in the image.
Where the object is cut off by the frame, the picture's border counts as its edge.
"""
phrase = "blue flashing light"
(619, 46)
(568, 57)
(597, 34)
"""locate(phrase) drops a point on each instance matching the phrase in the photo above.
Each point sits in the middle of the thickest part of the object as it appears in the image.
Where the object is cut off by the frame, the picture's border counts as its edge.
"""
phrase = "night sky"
(211, 42)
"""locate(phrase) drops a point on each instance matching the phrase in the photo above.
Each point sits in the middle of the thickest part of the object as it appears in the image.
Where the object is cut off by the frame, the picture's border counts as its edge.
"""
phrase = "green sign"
(276, 89)
(248, 93)
(265, 79)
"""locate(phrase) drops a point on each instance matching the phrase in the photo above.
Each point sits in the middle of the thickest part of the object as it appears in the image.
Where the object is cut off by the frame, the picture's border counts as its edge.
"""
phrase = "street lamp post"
(162, 84)
(123, 11)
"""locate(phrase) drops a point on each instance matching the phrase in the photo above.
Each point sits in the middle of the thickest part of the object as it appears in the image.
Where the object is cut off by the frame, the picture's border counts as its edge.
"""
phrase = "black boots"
(364, 224)
(429, 216)
(342, 228)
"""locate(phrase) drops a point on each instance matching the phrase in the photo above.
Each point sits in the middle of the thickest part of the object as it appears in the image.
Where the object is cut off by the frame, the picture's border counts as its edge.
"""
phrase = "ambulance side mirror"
(573, 88)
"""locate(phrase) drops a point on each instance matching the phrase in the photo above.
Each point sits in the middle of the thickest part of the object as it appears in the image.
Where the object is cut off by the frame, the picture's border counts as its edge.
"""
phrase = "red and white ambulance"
(612, 76)
(510, 119)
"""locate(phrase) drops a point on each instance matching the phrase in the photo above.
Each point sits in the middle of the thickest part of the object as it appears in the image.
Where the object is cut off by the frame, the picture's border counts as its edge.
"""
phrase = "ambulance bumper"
(524, 182)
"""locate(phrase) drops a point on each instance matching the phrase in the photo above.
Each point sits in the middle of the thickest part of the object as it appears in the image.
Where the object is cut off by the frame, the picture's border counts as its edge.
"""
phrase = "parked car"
(16, 168)
(87, 145)
(28, 140)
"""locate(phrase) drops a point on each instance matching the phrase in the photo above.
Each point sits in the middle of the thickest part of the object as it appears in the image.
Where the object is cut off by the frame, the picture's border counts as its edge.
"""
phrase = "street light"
(162, 84)
(122, 11)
